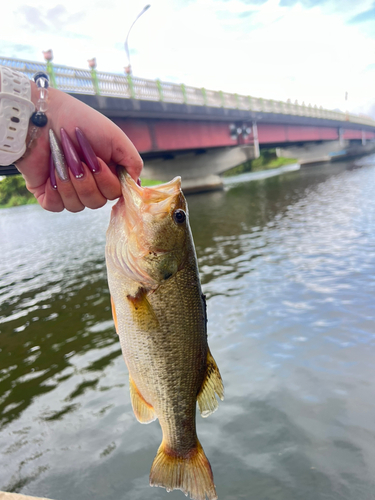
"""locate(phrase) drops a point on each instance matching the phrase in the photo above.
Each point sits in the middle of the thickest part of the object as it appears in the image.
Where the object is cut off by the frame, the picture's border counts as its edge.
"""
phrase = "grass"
(150, 182)
(267, 160)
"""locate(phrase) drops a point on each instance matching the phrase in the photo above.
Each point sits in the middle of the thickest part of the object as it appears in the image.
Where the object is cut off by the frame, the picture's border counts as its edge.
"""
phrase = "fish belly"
(164, 343)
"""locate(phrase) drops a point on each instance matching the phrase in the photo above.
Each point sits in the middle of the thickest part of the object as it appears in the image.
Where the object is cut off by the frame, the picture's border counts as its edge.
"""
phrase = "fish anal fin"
(190, 473)
(144, 412)
(114, 315)
(212, 383)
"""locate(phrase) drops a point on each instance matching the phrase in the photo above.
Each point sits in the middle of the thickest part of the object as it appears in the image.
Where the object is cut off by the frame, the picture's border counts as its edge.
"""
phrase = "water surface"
(288, 267)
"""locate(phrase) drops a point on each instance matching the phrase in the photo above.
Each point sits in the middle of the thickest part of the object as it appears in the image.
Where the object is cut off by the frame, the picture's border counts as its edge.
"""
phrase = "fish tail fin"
(191, 473)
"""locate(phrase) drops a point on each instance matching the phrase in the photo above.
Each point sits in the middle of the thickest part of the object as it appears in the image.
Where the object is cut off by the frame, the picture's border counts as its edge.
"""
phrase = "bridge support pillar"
(363, 137)
(199, 171)
(256, 140)
(341, 137)
(311, 152)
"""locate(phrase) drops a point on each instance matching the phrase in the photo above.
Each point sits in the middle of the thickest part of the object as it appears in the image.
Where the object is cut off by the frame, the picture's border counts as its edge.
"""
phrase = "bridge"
(200, 133)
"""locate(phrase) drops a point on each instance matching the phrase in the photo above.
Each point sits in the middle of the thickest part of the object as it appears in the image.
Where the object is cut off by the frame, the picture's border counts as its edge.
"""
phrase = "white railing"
(80, 81)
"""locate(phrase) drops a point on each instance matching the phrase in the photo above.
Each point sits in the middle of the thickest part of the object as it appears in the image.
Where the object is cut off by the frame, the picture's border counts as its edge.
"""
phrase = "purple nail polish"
(71, 156)
(139, 182)
(52, 174)
(87, 151)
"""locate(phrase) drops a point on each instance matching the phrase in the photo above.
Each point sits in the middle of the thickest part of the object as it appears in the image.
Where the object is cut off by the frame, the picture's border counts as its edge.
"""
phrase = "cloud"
(305, 3)
(50, 20)
(246, 13)
(226, 17)
(56, 13)
(367, 15)
(16, 50)
(278, 49)
(254, 2)
(339, 7)
(33, 18)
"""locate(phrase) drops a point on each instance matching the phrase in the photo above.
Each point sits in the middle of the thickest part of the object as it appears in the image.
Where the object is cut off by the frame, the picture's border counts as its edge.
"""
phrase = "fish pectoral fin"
(212, 383)
(114, 315)
(142, 309)
(144, 412)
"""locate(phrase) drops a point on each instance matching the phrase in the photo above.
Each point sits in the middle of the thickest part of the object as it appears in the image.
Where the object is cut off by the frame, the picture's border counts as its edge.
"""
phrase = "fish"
(160, 316)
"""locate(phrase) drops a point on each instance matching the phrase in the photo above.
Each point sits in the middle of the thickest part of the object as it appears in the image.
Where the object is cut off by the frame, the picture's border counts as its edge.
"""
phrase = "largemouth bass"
(160, 316)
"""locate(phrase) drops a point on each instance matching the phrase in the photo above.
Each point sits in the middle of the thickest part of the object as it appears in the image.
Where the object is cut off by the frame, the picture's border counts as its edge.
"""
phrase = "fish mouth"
(149, 195)
(158, 201)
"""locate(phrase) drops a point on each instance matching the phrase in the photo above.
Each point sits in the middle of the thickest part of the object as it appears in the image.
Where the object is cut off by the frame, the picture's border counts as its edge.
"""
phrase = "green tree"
(13, 192)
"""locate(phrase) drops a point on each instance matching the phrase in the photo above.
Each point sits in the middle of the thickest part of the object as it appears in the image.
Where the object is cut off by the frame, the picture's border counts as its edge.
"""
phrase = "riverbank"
(266, 161)
(259, 174)
(13, 192)
(4, 495)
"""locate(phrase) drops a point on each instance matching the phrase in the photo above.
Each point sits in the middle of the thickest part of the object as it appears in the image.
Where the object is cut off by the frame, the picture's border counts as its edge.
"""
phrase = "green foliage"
(150, 182)
(266, 160)
(13, 192)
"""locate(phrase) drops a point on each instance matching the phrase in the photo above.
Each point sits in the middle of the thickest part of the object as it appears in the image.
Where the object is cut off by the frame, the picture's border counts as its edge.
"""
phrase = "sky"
(313, 51)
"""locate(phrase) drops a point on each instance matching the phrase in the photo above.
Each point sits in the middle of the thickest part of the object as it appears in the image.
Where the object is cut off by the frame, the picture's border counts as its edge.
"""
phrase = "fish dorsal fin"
(114, 315)
(144, 412)
(212, 383)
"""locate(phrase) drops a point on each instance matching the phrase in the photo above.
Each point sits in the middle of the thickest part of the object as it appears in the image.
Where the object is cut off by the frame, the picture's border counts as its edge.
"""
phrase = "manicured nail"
(139, 182)
(58, 157)
(71, 156)
(52, 175)
(87, 151)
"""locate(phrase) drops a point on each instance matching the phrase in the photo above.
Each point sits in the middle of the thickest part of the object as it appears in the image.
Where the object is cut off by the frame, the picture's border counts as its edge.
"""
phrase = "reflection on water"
(288, 266)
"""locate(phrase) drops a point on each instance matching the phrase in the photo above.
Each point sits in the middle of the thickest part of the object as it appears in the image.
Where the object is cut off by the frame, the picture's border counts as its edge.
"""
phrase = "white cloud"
(299, 51)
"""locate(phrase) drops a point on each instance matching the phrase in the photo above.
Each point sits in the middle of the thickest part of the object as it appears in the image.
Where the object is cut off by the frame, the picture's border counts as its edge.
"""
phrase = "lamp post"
(128, 69)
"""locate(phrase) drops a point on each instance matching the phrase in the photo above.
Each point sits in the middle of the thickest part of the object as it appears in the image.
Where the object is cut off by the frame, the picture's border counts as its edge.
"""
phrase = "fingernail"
(139, 182)
(87, 151)
(58, 157)
(52, 175)
(71, 156)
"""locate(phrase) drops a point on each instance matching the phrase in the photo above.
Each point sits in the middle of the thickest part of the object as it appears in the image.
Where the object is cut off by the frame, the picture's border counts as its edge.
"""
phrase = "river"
(288, 266)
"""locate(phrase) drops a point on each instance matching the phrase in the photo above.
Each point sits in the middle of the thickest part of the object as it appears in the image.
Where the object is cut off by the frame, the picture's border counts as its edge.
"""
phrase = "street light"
(128, 69)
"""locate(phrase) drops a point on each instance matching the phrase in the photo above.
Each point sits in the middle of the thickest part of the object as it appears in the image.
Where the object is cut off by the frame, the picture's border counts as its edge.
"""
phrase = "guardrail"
(80, 81)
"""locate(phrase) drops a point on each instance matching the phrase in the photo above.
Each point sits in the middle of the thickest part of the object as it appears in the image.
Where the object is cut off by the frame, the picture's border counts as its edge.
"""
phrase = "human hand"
(110, 147)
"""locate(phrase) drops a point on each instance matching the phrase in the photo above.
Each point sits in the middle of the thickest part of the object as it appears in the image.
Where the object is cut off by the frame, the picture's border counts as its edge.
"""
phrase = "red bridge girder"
(152, 135)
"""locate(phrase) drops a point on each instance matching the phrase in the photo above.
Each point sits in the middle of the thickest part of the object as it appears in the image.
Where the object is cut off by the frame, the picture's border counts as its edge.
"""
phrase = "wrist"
(16, 108)
(23, 106)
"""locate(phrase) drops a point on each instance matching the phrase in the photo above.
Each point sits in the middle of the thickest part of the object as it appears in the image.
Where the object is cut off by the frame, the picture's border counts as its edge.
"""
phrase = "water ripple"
(288, 266)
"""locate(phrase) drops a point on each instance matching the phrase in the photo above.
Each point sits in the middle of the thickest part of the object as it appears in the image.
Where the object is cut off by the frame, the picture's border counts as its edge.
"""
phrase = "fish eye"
(179, 216)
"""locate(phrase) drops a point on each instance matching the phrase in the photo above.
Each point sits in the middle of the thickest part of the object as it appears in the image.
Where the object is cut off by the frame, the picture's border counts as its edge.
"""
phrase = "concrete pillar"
(199, 172)
(311, 152)
(256, 141)
(341, 136)
(363, 137)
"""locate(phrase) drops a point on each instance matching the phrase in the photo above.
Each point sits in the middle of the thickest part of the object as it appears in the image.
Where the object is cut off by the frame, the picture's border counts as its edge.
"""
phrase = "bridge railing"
(80, 81)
